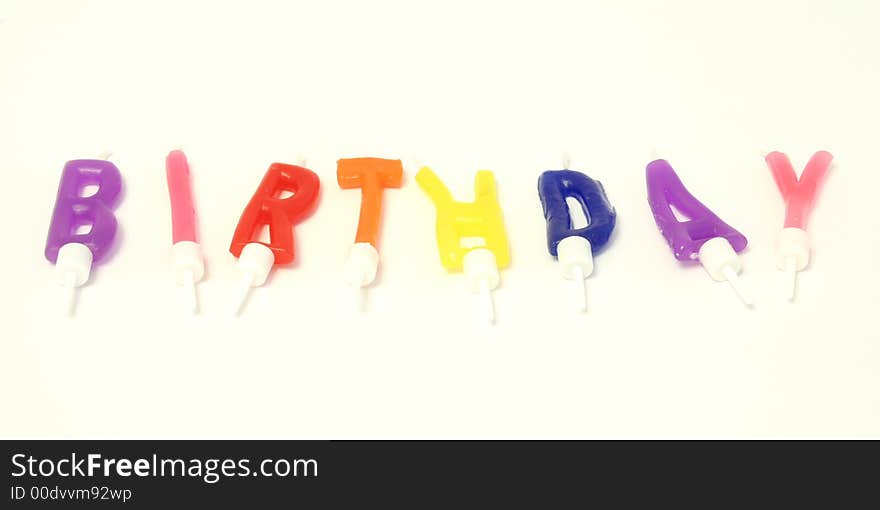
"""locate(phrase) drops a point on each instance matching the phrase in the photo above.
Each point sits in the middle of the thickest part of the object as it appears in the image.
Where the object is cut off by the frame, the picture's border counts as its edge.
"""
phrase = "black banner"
(415, 474)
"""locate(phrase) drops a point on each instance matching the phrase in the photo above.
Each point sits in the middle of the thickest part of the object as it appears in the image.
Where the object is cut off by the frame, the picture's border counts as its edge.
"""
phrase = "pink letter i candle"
(187, 261)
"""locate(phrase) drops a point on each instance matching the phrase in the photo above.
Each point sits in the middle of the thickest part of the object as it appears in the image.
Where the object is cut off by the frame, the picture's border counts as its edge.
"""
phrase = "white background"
(508, 86)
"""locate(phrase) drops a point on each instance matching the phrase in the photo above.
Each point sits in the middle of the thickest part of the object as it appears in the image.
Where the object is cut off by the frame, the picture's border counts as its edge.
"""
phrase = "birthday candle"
(266, 207)
(372, 176)
(580, 220)
(83, 227)
(793, 248)
(186, 254)
(470, 235)
(703, 236)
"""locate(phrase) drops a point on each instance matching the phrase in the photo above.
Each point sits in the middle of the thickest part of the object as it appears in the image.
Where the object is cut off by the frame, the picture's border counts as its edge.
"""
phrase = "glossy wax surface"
(799, 194)
(665, 190)
(73, 211)
(554, 186)
(458, 223)
(183, 212)
(266, 207)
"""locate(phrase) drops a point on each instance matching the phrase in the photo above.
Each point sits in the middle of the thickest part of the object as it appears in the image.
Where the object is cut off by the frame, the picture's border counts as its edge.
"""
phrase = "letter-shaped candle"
(580, 220)
(470, 235)
(793, 249)
(186, 254)
(83, 227)
(703, 236)
(372, 176)
(266, 207)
